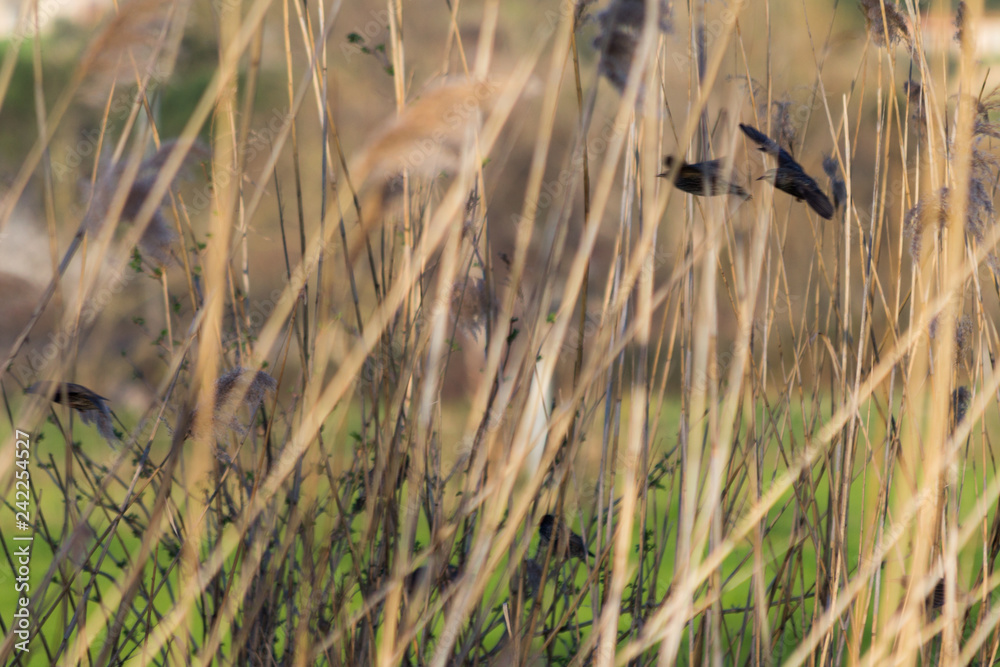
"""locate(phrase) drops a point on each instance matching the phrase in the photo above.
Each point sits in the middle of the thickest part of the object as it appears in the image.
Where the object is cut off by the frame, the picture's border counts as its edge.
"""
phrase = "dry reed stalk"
(789, 386)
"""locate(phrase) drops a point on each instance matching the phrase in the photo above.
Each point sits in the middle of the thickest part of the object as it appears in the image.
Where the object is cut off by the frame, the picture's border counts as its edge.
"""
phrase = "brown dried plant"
(428, 137)
(960, 21)
(621, 26)
(982, 125)
(159, 236)
(963, 337)
(895, 27)
(979, 214)
(471, 305)
(237, 388)
(135, 28)
(932, 208)
(915, 98)
(782, 126)
(838, 187)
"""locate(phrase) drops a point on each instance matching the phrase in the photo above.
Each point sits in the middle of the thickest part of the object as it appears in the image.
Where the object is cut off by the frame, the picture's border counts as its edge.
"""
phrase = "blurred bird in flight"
(702, 178)
(551, 529)
(789, 176)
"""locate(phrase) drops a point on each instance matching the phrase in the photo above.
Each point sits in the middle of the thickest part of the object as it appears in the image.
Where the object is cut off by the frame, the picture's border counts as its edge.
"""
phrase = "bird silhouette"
(418, 577)
(702, 179)
(789, 176)
(74, 395)
(550, 529)
(532, 574)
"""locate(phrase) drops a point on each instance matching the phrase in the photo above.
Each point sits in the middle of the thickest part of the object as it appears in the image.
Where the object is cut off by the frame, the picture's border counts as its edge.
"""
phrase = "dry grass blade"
(235, 390)
(838, 188)
(427, 138)
(574, 415)
(136, 25)
(159, 235)
(888, 32)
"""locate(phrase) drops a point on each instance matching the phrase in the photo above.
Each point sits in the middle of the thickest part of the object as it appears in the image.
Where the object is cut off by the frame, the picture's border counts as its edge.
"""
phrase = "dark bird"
(960, 399)
(74, 395)
(789, 176)
(404, 470)
(93, 408)
(531, 572)
(702, 179)
(419, 578)
(936, 598)
(550, 529)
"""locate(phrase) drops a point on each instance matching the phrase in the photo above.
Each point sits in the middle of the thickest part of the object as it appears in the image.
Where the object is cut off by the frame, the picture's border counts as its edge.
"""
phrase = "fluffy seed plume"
(428, 137)
(470, 305)
(960, 21)
(981, 214)
(932, 208)
(963, 336)
(838, 187)
(915, 97)
(893, 29)
(239, 387)
(621, 27)
(158, 237)
(932, 211)
(782, 125)
(92, 407)
(130, 38)
(581, 13)
(983, 126)
(234, 389)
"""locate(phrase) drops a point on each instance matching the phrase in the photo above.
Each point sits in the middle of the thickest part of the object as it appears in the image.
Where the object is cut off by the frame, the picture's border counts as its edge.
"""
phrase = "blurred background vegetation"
(390, 482)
